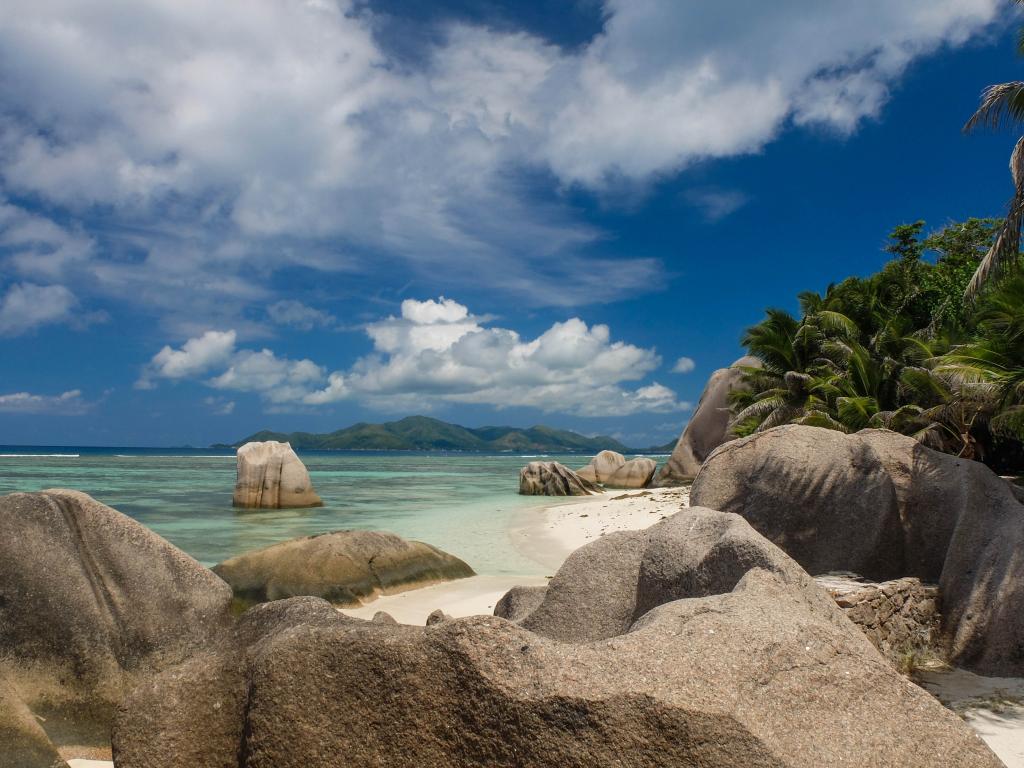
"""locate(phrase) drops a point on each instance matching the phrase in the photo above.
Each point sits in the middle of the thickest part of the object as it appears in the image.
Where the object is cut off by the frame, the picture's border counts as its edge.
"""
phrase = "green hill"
(421, 433)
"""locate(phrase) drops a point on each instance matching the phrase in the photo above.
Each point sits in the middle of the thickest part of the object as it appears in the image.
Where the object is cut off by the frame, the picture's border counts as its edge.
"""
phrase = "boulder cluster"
(696, 642)
(881, 505)
(607, 469)
(702, 640)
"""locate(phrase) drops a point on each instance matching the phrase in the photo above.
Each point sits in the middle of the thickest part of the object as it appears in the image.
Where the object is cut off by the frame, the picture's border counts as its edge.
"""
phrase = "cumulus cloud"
(26, 306)
(295, 314)
(684, 365)
(69, 403)
(233, 139)
(436, 352)
(196, 356)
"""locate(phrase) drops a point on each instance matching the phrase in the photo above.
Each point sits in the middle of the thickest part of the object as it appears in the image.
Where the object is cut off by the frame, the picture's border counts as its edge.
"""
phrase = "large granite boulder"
(635, 473)
(708, 428)
(344, 567)
(601, 467)
(549, 478)
(91, 602)
(271, 476)
(23, 742)
(723, 654)
(881, 505)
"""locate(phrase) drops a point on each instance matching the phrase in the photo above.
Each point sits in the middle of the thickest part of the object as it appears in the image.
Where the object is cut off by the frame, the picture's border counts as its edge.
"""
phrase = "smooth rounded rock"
(271, 476)
(708, 428)
(882, 505)
(635, 473)
(347, 568)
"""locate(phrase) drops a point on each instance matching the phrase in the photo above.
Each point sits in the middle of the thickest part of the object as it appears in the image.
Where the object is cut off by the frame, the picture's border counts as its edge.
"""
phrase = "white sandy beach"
(549, 534)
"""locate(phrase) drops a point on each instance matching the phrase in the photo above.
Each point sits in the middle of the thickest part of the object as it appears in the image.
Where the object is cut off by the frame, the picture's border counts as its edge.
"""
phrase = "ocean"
(462, 503)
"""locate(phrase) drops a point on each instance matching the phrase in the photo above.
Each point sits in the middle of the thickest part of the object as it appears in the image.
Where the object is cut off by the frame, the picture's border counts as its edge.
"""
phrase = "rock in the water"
(602, 466)
(708, 428)
(882, 505)
(549, 478)
(23, 742)
(91, 602)
(635, 473)
(271, 476)
(724, 654)
(345, 567)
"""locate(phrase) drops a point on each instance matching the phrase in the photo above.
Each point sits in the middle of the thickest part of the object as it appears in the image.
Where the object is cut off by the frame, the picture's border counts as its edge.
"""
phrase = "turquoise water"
(462, 503)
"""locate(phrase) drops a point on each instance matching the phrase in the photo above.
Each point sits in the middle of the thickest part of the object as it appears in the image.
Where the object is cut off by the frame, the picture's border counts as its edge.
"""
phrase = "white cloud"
(26, 306)
(67, 403)
(295, 314)
(228, 140)
(684, 365)
(437, 352)
(195, 357)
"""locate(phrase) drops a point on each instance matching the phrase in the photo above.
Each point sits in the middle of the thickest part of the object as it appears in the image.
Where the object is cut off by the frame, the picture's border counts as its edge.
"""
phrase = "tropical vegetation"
(901, 349)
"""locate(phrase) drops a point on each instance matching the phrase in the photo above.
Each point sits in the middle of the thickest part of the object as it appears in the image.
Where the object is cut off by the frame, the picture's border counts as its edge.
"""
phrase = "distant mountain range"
(421, 433)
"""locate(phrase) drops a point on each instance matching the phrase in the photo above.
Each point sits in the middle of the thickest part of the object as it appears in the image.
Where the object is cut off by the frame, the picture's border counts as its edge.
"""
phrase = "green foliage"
(899, 349)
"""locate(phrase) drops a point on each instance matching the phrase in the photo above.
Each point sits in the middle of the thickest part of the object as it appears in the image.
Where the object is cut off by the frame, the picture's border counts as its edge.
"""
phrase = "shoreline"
(546, 534)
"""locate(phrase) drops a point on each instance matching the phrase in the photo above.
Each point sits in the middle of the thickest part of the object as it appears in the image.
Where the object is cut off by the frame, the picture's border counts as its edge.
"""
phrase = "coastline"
(546, 534)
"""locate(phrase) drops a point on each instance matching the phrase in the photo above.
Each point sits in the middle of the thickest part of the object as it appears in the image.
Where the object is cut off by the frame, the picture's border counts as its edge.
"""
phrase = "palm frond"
(999, 103)
(1005, 249)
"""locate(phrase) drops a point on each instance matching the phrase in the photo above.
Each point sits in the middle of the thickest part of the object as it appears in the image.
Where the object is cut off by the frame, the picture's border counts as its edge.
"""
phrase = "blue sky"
(298, 215)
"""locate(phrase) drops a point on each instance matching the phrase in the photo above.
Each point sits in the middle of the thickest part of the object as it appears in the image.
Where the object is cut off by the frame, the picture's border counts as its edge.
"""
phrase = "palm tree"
(994, 362)
(1001, 103)
(796, 380)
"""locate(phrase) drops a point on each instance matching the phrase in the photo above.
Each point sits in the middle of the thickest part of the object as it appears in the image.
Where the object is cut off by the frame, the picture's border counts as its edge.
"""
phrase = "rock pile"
(695, 642)
(882, 505)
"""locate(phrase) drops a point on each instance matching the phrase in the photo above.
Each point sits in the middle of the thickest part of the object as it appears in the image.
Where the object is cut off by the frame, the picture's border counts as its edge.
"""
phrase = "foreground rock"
(91, 602)
(23, 742)
(709, 426)
(635, 473)
(881, 505)
(549, 478)
(347, 568)
(695, 642)
(602, 466)
(271, 476)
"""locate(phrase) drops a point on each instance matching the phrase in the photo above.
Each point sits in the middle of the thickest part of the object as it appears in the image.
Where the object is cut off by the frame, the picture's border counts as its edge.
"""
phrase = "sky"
(222, 217)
